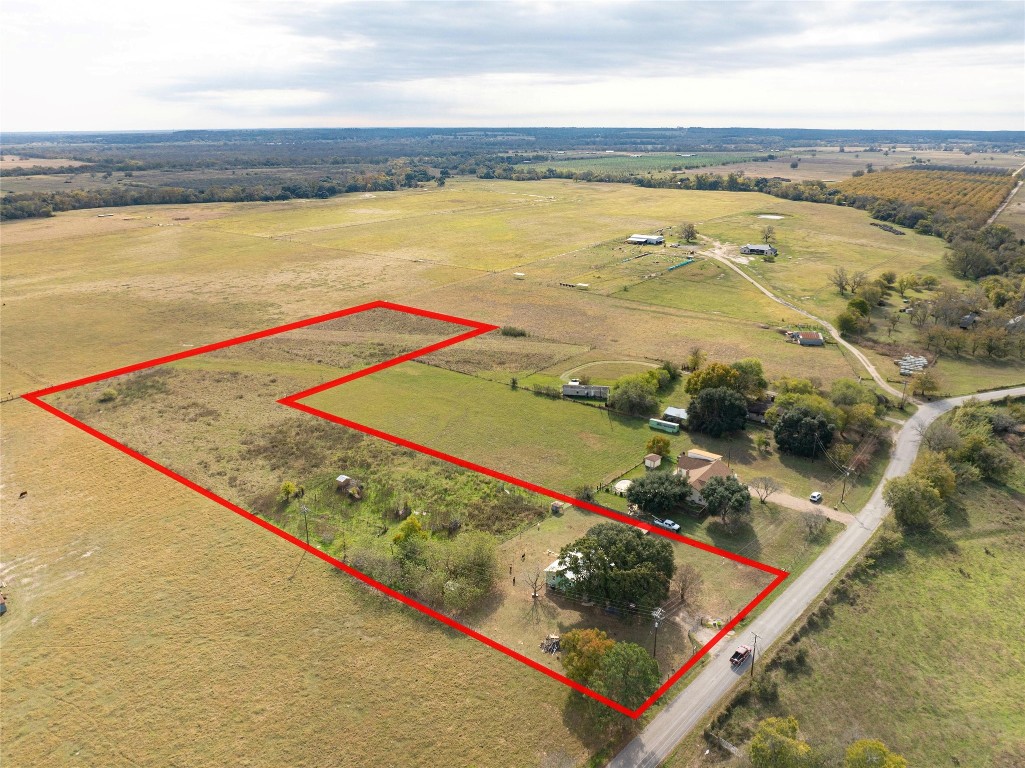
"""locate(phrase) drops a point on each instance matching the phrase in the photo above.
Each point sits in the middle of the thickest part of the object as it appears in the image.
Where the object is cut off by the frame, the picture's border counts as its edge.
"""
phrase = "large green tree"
(716, 411)
(751, 381)
(626, 674)
(711, 376)
(729, 499)
(620, 566)
(802, 432)
(658, 493)
(915, 503)
(635, 395)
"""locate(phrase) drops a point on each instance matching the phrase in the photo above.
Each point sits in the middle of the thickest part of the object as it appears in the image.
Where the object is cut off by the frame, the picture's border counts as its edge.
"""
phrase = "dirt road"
(717, 252)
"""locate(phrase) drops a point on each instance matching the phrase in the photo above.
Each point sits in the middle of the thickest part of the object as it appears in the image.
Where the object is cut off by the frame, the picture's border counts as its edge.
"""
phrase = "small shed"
(652, 460)
(675, 415)
(808, 338)
(559, 576)
(968, 321)
(344, 481)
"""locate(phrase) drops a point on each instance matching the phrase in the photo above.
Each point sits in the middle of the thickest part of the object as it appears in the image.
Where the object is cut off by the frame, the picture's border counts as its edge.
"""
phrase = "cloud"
(326, 62)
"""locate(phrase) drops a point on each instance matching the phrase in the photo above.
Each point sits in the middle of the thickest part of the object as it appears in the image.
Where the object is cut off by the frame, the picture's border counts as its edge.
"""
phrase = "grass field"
(934, 637)
(809, 243)
(150, 625)
(557, 444)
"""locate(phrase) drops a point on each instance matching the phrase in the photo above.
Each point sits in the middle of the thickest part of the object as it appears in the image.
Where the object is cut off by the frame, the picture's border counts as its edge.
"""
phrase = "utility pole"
(306, 521)
(658, 614)
(903, 394)
(843, 491)
(754, 654)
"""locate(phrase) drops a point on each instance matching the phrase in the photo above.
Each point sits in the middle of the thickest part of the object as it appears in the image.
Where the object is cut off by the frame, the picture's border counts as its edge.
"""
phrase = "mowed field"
(560, 445)
(148, 625)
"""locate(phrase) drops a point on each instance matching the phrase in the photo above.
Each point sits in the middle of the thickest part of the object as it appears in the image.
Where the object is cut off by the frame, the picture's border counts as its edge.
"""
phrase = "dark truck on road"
(742, 654)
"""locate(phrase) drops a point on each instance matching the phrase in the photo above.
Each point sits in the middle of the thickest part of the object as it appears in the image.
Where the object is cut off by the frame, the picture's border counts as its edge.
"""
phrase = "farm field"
(710, 287)
(130, 594)
(174, 624)
(829, 164)
(906, 644)
(659, 163)
(968, 196)
(205, 417)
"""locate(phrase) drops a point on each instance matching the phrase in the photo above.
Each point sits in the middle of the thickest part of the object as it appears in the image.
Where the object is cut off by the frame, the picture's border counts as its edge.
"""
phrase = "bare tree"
(534, 578)
(840, 279)
(690, 580)
(856, 280)
(893, 319)
(813, 525)
(765, 486)
(768, 233)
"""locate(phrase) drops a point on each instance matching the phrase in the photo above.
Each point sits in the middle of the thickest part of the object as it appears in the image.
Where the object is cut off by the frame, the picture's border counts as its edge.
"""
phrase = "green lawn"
(558, 444)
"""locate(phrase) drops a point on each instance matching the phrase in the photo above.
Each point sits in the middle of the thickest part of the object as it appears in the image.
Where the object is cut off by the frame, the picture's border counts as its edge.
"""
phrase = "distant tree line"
(24, 205)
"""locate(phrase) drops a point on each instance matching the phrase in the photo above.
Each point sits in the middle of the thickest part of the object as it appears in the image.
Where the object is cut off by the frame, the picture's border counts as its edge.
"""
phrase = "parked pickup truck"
(742, 654)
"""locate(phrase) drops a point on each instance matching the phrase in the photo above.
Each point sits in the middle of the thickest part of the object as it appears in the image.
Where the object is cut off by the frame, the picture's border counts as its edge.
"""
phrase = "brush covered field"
(150, 625)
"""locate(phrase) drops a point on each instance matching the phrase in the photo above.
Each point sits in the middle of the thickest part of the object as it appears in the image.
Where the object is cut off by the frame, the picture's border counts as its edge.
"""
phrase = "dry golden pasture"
(150, 626)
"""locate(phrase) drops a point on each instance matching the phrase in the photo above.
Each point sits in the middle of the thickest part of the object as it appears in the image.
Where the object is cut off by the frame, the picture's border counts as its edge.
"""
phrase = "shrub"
(512, 330)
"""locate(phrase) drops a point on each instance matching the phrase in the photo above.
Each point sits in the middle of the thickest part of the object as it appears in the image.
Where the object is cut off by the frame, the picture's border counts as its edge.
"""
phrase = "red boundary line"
(292, 401)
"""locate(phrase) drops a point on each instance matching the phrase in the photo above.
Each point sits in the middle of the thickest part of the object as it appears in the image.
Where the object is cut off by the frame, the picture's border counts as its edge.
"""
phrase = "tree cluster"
(623, 672)
(955, 454)
(637, 394)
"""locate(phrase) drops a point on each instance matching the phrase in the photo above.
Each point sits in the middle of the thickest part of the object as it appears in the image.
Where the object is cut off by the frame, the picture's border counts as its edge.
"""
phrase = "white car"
(815, 498)
(669, 525)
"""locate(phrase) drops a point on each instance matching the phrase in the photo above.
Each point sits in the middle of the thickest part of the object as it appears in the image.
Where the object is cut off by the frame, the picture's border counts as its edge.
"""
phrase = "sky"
(71, 65)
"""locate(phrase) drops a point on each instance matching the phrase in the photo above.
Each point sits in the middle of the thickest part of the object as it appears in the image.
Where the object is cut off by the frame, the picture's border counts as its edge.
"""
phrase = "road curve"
(828, 326)
(683, 713)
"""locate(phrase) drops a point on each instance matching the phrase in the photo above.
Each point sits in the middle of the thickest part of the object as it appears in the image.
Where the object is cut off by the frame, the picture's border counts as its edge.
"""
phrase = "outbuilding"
(808, 338)
(646, 240)
(758, 250)
(675, 415)
(652, 461)
(576, 389)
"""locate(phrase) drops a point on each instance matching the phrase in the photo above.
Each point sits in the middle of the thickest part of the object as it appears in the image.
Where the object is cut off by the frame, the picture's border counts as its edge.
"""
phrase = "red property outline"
(292, 401)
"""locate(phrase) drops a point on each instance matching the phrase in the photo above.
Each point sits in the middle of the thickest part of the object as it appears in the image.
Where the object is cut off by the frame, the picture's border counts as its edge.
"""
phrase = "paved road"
(688, 709)
(828, 326)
